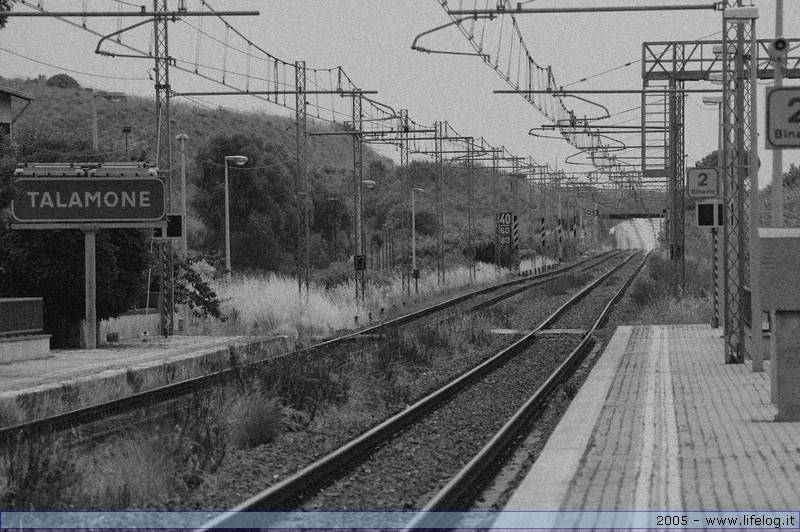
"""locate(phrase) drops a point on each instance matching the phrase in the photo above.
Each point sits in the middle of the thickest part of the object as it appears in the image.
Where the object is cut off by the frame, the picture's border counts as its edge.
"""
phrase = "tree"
(63, 81)
(263, 207)
(5, 5)
(791, 178)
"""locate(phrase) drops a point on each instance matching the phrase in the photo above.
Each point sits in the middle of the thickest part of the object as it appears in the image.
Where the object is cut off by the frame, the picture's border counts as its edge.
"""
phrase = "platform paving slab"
(662, 423)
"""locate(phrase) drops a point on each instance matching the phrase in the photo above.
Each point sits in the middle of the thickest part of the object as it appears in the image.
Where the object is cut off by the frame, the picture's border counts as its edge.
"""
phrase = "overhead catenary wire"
(374, 111)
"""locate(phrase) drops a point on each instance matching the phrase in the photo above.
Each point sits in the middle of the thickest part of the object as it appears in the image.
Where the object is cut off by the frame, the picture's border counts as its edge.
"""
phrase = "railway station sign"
(783, 118)
(88, 200)
(702, 182)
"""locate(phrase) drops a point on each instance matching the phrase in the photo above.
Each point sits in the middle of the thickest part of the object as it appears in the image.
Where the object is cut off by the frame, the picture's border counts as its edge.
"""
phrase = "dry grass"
(666, 310)
(253, 419)
(269, 304)
(129, 471)
(11, 413)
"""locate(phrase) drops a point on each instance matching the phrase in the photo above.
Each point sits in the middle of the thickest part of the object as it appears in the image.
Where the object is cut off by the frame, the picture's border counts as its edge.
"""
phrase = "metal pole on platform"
(776, 206)
(756, 312)
(182, 138)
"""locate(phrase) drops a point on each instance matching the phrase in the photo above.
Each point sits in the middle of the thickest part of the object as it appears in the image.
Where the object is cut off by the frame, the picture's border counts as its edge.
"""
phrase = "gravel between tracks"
(583, 315)
(408, 470)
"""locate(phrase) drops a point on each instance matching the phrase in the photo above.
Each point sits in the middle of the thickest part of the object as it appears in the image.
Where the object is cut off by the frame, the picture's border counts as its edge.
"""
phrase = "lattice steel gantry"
(746, 60)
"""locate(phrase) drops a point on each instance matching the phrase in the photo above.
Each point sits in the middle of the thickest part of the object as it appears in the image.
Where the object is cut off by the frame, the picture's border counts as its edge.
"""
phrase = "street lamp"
(369, 184)
(238, 160)
(110, 96)
(126, 130)
(335, 225)
(414, 270)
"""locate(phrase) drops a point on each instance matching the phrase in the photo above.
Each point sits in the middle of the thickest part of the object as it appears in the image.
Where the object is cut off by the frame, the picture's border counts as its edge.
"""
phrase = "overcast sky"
(371, 40)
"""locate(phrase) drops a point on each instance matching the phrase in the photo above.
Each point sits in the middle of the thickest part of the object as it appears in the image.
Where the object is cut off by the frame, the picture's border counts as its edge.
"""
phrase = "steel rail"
(556, 272)
(476, 472)
(94, 413)
(281, 494)
(495, 300)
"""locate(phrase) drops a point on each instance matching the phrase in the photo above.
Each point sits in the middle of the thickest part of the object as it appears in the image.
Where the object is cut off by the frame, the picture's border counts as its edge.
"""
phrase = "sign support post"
(90, 268)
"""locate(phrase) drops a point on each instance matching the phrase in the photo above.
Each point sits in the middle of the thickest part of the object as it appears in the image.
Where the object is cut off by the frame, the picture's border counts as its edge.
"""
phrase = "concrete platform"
(663, 423)
(74, 378)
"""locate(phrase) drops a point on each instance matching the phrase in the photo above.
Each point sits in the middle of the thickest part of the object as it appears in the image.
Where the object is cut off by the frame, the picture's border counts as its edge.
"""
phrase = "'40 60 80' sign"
(88, 200)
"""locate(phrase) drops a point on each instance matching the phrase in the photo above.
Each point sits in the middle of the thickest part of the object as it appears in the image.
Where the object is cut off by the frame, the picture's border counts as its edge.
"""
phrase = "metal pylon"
(738, 39)
(470, 214)
(303, 259)
(405, 177)
(358, 176)
(439, 141)
(677, 170)
(166, 300)
(496, 203)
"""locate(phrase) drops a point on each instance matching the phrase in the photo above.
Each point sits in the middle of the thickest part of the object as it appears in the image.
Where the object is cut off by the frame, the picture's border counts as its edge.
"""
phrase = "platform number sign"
(783, 118)
(504, 220)
(702, 182)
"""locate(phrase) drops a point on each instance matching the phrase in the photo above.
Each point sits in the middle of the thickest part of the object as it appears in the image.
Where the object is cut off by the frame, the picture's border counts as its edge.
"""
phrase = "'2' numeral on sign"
(795, 118)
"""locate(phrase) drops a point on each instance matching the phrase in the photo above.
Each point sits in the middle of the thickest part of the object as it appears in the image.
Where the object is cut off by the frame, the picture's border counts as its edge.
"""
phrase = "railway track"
(168, 396)
(438, 453)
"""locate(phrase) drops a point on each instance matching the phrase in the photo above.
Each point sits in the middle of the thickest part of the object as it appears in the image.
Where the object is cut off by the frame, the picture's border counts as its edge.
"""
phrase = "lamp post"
(238, 160)
(414, 270)
(333, 201)
(126, 130)
(369, 184)
(110, 96)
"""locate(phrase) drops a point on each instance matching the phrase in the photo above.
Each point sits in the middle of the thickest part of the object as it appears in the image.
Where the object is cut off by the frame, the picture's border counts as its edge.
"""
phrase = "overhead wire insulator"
(199, 40)
(225, 54)
(249, 51)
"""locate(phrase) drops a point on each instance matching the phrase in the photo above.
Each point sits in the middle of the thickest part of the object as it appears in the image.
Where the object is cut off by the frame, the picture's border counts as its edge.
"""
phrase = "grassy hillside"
(64, 116)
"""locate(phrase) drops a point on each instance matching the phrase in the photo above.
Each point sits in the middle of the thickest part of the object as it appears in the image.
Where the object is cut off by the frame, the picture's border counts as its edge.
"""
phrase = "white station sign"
(783, 118)
(702, 183)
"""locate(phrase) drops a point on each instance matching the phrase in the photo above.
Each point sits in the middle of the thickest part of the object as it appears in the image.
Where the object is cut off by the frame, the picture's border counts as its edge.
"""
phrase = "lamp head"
(236, 159)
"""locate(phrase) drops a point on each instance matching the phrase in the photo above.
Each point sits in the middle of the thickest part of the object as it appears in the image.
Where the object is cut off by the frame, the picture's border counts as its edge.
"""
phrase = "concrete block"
(18, 348)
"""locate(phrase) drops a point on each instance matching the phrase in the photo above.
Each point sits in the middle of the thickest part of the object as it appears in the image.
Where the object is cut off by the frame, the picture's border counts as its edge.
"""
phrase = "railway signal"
(515, 232)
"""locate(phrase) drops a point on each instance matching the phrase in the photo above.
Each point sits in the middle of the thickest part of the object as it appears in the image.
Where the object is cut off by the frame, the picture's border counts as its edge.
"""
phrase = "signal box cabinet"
(780, 269)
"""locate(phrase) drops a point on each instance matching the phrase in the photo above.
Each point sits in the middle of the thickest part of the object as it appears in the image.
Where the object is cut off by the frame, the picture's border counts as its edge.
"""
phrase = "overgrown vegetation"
(658, 303)
(304, 391)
